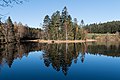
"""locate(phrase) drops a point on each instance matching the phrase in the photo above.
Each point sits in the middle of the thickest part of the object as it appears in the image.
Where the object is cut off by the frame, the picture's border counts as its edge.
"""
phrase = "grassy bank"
(104, 37)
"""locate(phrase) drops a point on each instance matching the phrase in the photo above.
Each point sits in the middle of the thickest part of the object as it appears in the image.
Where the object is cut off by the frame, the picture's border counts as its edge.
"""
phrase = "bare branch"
(6, 3)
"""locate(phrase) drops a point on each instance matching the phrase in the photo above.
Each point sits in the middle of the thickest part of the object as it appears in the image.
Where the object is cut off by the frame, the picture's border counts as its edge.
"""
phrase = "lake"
(76, 61)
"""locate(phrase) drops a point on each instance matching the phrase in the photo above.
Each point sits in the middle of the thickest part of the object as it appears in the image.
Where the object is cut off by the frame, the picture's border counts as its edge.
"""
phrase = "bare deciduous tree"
(6, 3)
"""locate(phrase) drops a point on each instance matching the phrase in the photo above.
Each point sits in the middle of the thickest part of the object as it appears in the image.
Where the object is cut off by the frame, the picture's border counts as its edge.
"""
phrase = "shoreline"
(61, 41)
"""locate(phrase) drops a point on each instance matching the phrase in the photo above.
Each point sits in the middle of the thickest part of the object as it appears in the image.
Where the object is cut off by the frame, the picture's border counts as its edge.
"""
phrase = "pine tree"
(46, 24)
(57, 24)
(64, 17)
(70, 26)
(11, 33)
(75, 29)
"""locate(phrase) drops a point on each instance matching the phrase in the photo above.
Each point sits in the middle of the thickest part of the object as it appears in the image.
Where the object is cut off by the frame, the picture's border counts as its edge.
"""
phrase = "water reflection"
(105, 49)
(10, 52)
(59, 56)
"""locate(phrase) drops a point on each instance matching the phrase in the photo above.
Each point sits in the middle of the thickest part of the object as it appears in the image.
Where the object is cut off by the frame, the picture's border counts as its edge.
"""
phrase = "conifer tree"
(11, 33)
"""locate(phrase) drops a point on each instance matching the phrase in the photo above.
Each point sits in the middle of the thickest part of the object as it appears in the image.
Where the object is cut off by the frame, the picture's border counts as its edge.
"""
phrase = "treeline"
(108, 27)
(14, 32)
(60, 26)
(57, 27)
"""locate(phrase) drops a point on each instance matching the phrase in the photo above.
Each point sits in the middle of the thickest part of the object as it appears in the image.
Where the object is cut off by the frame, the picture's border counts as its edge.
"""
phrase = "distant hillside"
(111, 27)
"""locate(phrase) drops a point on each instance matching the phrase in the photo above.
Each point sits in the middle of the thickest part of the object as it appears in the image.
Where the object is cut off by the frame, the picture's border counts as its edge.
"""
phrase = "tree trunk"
(66, 31)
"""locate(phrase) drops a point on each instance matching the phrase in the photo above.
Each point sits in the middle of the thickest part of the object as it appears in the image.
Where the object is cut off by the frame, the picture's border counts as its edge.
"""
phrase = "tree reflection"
(59, 56)
(10, 52)
(83, 51)
(105, 49)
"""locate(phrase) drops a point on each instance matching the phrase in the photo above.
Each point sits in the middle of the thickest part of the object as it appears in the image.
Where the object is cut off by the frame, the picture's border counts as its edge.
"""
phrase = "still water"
(33, 61)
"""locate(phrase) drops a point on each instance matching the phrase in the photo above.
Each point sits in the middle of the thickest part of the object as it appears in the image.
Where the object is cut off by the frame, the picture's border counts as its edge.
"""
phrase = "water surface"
(33, 61)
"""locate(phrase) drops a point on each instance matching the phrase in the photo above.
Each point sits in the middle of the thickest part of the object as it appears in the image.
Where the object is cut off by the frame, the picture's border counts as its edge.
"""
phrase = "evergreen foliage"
(111, 27)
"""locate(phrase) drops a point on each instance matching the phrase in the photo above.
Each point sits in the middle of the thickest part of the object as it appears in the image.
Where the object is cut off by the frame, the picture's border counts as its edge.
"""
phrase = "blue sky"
(91, 11)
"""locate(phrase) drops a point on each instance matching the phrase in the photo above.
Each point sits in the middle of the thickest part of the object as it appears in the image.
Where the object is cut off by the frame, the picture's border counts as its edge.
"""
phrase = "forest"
(14, 32)
(58, 26)
(108, 27)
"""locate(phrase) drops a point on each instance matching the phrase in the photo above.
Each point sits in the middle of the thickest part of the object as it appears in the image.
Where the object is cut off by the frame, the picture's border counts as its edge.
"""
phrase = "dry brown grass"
(62, 41)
